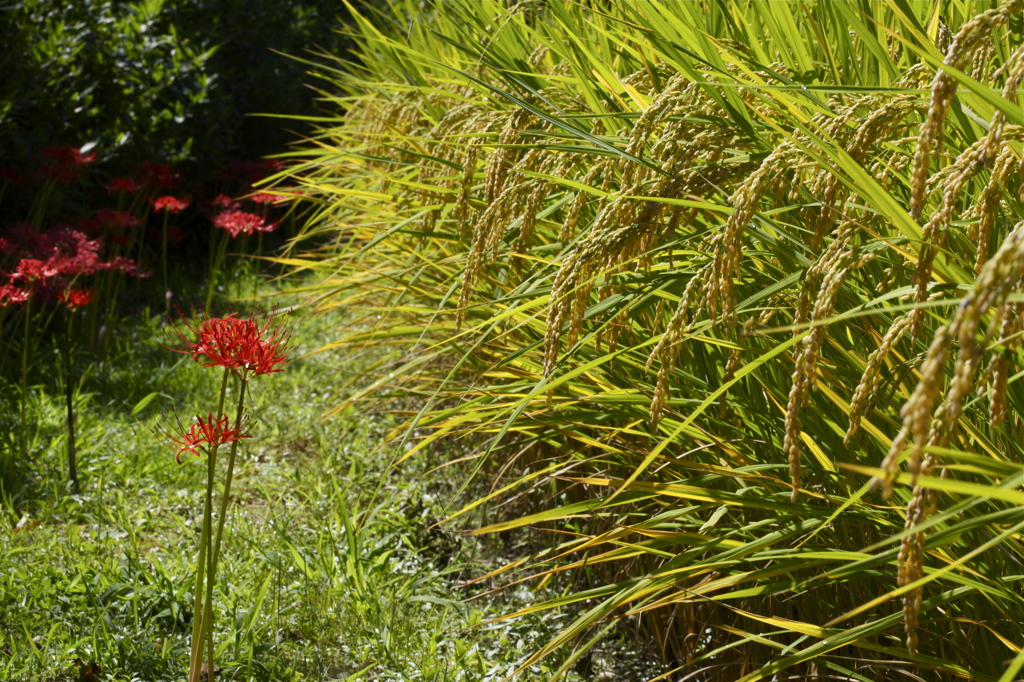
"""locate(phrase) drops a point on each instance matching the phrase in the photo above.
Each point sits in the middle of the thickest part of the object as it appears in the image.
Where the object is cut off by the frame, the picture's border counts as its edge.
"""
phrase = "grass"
(333, 568)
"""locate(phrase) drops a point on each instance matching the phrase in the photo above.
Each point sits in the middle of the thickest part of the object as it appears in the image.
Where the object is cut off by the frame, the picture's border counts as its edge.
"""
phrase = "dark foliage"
(173, 80)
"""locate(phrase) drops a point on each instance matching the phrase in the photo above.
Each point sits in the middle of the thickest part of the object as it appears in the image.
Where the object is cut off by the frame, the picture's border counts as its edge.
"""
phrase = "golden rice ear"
(870, 380)
(999, 366)
(1000, 276)
(667, 350)
(971, 37)
(837, 264)
(997, 399)
(728, 244)
(972, 161)
(911, 556)
(886, 114)
(461, 211)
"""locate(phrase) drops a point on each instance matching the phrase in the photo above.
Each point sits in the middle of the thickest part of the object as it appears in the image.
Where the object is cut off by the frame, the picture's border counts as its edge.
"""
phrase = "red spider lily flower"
(75, 298)
(205, 434)
(25, 239)
(248, 347)
(172, 204)
(32, 269)
(126, 265)
(158, 175)
(74, 253)
(267, 198)
(118, 220)
(10, 294)
(123, 185)
(224, 202)
(67, 156)
(12, 176)
(239, 222)
(63, 165)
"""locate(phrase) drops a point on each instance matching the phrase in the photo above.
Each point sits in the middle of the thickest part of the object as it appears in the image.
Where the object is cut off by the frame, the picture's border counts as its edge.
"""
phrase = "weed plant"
(723, 297)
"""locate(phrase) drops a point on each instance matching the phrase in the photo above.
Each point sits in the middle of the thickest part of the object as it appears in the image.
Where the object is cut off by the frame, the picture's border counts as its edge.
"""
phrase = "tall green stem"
(227, 479)
(214, 555)
(218, 260)
(207, 612)
(163, 265)
(202, 613)
(198, 610)
(69, 393)
(24, 380)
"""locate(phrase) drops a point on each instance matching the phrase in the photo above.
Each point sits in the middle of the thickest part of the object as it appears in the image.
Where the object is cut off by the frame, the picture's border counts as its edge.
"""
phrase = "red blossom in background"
(63, 165)
(267, 198)
(172, 204)
(67, 156)
(249, 347)
(241, 222)
(126, 265)
(118, 220)
(123, 185)
(205, 434)
(75, 298)
(158, 175)
(12, 176)
(25, 239)
(33, 269)
(224, 202)
(73, 253)
(10, 294)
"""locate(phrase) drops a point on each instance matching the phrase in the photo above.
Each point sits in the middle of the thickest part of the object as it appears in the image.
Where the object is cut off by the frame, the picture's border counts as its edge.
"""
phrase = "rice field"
(722, 300)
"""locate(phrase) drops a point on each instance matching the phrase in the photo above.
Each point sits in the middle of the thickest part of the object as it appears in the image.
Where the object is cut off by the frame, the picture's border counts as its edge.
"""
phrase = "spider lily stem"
(69, 394)
(24, 380)
(202, 613)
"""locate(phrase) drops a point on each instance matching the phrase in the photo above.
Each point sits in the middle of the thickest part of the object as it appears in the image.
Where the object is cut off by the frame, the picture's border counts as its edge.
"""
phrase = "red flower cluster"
(67, 156)
(63, 165)
(267, 198)
(172, 204)
(33, 270)
(73, 253)
(205, 434)
(75, 298)
(249, 347)
(23, 239)
(224, 202)
(11, 294)
(241, 222)
(123, 185)
(117, 220)
(47, 263)
(12, 176)
(158, 175)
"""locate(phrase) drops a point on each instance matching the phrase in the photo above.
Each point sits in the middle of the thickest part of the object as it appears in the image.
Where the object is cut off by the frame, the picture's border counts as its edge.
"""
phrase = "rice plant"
(726, 296)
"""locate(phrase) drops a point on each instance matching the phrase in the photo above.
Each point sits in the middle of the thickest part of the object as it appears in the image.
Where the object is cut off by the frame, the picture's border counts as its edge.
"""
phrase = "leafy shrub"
(156, 79)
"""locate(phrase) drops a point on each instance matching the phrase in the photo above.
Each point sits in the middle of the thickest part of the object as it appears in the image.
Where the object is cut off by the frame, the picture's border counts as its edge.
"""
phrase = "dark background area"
(163, 80)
